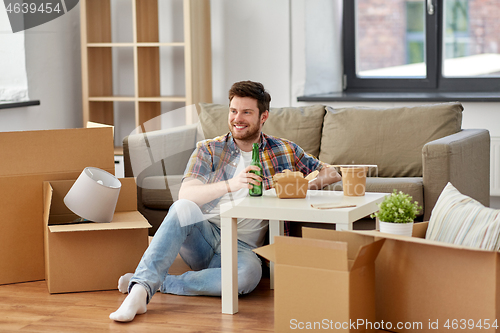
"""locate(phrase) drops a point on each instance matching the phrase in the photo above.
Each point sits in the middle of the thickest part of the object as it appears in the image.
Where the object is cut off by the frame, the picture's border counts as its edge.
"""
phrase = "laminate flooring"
(28, 307)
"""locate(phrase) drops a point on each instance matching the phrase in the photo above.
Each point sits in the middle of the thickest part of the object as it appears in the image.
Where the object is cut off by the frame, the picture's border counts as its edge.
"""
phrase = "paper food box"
(27, 159)
(430, 286)
(323, 281)
(91, 256)
(292, 184)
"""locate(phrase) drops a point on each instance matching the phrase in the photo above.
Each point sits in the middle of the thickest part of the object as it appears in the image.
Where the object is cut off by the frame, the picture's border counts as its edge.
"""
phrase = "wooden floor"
(28, 307)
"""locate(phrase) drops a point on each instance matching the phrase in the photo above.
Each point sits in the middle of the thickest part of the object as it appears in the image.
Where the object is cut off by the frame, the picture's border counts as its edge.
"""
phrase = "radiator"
(495, 167)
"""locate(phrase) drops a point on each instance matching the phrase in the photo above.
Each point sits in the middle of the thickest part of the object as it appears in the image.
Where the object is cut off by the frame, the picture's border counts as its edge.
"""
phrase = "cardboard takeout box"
(27, 159)
(290, 185)
(325, 280)
(91, 256)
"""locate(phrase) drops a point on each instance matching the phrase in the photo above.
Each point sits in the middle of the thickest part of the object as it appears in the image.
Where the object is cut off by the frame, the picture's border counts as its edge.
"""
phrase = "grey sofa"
(417, 150)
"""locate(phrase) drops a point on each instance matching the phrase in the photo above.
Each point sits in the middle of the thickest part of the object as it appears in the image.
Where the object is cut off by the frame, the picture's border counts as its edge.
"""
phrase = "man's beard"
(251, 132)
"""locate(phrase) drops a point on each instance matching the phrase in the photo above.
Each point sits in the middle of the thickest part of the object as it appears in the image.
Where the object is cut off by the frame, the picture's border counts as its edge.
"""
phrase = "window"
(431, 45)
(415, 33)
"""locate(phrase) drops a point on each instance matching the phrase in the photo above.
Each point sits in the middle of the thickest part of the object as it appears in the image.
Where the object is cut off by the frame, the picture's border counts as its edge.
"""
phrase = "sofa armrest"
(171, 147)
(158, 159)
(463, 159)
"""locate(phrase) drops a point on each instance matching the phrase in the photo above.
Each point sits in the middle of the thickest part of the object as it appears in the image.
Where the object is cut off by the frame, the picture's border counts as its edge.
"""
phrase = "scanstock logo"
(31, 13)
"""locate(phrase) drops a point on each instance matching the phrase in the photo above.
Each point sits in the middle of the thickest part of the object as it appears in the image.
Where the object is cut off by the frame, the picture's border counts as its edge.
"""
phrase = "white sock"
(123, 282)
(134, 304)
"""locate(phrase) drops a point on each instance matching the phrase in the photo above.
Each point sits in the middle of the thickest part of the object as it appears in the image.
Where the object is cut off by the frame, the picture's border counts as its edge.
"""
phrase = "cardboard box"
(323, 281)
(290, 185)
(26, 160)
(435, 287)
(91, 256)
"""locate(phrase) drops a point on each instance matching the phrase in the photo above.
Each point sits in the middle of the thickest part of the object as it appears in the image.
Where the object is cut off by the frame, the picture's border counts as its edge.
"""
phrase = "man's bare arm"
(195, 190)
(326, 176)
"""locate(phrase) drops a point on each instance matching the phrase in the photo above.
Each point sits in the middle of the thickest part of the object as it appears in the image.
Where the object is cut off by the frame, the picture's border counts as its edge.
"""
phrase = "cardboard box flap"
(367, 254)
(379, 235)
(47, 201)
(127, 202)
(354, 241)
(312, 253)
(420, 229)
(54, 193)
(27, 152)
(267, 252)
(121, 220)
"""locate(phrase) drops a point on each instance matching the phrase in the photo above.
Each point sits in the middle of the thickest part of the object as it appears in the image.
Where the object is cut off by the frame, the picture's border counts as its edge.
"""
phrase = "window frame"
(434, 80)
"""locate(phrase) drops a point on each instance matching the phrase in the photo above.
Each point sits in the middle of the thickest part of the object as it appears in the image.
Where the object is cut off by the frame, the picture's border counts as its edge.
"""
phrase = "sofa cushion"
(459, 219)
(413, 186)
(392, 138)
(160, 194)
(301, 125)
(213, 119)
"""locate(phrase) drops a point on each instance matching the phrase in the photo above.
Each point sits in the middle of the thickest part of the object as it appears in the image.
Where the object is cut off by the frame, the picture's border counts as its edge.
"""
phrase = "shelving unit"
(97, 59)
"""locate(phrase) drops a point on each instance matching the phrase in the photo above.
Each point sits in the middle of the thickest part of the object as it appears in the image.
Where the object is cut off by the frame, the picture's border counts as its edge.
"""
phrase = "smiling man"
(218, 171)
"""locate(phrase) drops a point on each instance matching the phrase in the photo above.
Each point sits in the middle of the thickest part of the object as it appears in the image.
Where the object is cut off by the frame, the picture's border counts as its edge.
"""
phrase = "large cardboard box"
(26, 160)
(91, 256)
(430, 286)
(324, 281)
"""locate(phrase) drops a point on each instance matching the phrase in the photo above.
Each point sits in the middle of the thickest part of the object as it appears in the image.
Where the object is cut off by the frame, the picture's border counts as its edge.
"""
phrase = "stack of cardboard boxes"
(37, 168)
(367, 281)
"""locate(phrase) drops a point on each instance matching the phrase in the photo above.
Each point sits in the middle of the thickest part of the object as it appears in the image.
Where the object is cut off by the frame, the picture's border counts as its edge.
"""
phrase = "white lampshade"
(94, 195)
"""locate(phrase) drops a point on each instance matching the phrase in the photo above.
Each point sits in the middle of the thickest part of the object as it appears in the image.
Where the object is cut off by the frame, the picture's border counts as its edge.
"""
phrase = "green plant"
(397, 208)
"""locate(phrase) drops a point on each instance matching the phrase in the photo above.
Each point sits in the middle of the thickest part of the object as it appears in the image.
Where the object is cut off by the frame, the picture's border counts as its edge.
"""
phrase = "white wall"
(53, 68)
(13, 82)
(251, 41)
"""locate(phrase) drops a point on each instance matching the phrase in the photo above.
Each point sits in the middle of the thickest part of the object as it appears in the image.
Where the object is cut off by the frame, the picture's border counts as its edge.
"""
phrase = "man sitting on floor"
(218, 171)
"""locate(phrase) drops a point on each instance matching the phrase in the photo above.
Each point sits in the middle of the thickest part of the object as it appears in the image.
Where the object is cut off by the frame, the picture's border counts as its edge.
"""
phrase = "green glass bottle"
(256, 190)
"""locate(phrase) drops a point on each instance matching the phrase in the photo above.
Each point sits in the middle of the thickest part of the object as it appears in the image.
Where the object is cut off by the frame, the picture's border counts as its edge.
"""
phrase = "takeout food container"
(289, 185)
(354, 180)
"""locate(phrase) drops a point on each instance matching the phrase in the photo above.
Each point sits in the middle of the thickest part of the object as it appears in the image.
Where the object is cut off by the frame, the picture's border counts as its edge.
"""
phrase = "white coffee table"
(270, 207)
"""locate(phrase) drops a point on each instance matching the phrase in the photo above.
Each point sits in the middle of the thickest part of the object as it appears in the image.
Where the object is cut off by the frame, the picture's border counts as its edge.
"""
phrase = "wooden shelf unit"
(97, 59)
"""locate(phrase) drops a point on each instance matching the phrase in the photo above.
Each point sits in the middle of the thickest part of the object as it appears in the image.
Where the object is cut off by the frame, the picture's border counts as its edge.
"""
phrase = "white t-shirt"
(250, 231)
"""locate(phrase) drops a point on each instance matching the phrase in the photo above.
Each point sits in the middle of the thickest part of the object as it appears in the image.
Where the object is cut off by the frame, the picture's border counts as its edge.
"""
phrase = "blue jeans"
(198, 243)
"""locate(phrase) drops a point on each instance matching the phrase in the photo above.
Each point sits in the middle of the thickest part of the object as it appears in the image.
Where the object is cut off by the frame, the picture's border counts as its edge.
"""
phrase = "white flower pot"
(404, 229)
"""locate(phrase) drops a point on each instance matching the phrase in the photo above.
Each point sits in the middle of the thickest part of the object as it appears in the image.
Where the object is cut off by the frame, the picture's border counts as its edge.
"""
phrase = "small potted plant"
(397, 213)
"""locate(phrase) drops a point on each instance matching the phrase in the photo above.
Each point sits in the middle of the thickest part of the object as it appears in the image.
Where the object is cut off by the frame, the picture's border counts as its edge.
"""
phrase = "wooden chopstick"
(330, 206)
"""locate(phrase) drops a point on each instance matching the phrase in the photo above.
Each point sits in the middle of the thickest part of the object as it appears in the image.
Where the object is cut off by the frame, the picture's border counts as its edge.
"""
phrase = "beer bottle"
(256, 190)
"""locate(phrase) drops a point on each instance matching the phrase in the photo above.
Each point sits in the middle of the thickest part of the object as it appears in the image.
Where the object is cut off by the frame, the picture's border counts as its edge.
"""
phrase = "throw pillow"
(392, 138)
(301, 125)
(213, 119)
(461, 220)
